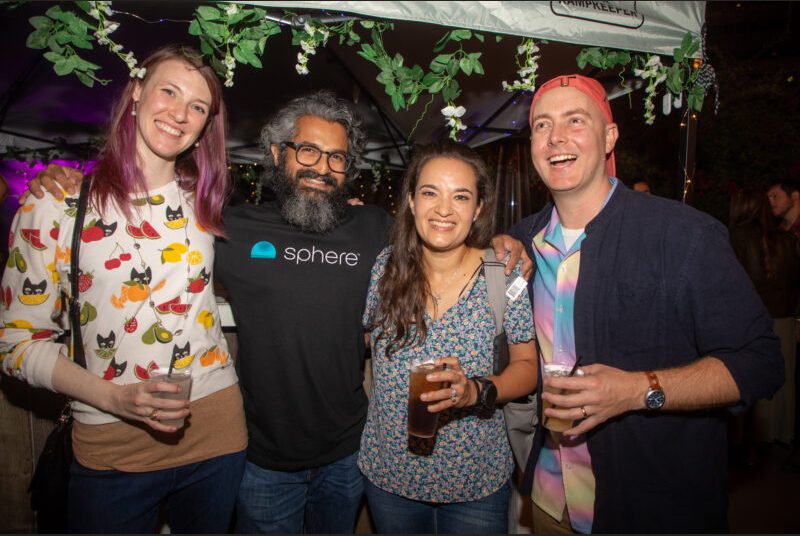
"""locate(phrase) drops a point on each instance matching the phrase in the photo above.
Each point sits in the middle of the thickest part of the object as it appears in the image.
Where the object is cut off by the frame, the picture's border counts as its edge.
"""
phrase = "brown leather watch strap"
(653, 379)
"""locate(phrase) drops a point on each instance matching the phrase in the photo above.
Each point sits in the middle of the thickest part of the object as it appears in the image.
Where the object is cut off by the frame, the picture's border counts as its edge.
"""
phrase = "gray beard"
(312, 211)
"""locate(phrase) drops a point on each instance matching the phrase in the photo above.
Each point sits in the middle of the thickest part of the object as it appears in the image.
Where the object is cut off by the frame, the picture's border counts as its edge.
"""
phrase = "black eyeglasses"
(309, 155)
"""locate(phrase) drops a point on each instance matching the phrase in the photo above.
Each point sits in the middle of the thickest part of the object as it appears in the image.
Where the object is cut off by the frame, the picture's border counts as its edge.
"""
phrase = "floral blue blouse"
(469, 458)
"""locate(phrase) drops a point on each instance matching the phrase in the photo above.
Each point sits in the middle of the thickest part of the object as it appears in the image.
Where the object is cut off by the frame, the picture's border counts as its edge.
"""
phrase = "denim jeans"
(319, 500)
(198, 497)
(395, 514)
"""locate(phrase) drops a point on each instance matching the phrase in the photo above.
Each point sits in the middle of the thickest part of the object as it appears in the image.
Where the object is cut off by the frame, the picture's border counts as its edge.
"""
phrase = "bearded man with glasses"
(297, 272)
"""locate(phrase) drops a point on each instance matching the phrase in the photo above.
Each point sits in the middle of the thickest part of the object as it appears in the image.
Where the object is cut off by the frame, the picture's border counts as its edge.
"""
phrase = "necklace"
(437, 296)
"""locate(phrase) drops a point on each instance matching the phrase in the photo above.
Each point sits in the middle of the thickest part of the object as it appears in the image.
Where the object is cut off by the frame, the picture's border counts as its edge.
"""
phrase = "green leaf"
(62, 67)
(479, 37)
(83, 65)
(194, 28)
(397, 61)
(477, 67)
(353, 37)
(385, 77)
(367, 51)
(41, 23)
(440, 44)
(209, 13)
(367, 24)
(37, 39)
(80, 42)
(85, 79)
(678, 55)
(452, 67)
(442, 59)
(687, 41)
(53, 56)
(62, 38)
(498, 38)
(461, 34)
(213, 30)
(675, 79)
(437, 86)
(238, 17)
(53, 12)
(53, 44)
(398, 101)
(429, 80)
(466, 65)
(451, 91)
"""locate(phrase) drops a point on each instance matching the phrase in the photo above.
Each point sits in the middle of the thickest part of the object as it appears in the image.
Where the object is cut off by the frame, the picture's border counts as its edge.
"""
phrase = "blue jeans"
(319, 500)
(199, 497)
(395, 514)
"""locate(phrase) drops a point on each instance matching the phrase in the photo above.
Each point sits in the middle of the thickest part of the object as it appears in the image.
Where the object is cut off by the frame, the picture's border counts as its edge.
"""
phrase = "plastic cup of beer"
(554, 370)
(421, 422)
(180, 377)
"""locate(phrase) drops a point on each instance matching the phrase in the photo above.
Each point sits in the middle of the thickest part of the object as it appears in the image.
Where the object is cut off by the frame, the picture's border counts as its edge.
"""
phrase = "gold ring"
(583, 410)
(153, 416)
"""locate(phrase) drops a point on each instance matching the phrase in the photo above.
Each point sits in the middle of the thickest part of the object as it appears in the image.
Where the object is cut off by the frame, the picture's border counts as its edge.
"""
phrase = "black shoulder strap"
(74, 306)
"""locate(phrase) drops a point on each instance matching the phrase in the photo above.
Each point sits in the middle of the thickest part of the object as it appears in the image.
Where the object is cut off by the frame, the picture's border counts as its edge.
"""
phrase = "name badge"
(516, 287)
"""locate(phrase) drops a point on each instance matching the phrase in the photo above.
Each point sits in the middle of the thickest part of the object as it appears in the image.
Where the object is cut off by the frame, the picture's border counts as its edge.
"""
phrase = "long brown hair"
(202, 169)
(403, 289)
(749, 207)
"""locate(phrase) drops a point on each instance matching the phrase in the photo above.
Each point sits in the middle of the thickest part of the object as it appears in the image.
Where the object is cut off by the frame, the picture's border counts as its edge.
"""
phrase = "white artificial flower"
(453, 111)
(232, 9)
(653, 61)
(94, 13)
(110, 26)
(301, 69)
(308, 47)
(230, 61)
(228, 82)
(116, 47)
(308, 28)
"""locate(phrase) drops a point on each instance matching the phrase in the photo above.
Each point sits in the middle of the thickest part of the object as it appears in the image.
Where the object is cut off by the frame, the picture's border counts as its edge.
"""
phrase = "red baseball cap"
(588, 86)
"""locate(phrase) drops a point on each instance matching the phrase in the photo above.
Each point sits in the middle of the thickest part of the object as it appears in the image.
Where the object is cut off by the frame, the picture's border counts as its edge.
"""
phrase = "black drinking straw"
(172, 365)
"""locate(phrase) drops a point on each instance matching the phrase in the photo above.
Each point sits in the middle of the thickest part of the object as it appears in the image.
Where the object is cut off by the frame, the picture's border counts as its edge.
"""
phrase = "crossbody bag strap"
(74, 305)
(496, 287)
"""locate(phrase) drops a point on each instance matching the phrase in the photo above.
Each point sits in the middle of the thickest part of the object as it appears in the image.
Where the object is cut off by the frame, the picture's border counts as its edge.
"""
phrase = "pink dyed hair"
(203, 169)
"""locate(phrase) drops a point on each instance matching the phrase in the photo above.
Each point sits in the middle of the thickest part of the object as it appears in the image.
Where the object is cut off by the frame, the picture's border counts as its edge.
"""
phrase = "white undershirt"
(570, 236)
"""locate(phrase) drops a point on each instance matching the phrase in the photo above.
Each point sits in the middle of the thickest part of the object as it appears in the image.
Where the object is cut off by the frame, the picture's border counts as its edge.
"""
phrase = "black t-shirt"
(298, 299)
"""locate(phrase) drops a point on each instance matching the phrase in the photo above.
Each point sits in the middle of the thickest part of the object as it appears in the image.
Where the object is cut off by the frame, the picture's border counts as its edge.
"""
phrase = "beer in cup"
(421, 422)
(552, 370)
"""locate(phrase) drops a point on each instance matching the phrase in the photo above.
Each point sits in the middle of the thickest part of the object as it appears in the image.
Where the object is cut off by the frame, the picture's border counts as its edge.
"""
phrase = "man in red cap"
(643, 300)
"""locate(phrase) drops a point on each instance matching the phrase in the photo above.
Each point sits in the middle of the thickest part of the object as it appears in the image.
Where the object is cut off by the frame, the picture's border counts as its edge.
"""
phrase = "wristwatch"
(655, 397)
(487, 394)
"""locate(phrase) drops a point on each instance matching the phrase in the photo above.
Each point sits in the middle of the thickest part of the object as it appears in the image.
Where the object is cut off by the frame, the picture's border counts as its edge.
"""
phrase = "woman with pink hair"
(146, 252)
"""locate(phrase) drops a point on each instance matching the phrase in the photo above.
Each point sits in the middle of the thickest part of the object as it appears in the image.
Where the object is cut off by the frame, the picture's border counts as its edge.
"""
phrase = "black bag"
(50, 482)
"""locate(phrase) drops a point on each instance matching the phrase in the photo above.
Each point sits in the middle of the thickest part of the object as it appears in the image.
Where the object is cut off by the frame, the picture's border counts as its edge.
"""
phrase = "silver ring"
(453, 394)
(583, 410)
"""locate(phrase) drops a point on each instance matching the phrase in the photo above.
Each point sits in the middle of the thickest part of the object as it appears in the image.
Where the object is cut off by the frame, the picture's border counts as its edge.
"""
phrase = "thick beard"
(313, 211)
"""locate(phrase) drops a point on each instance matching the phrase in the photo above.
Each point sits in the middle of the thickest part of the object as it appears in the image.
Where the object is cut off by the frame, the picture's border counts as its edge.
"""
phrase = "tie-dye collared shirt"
(563, 474)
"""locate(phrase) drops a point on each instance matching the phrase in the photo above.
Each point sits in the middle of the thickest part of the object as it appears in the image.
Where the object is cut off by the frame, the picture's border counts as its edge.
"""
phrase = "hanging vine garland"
(232, 34)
